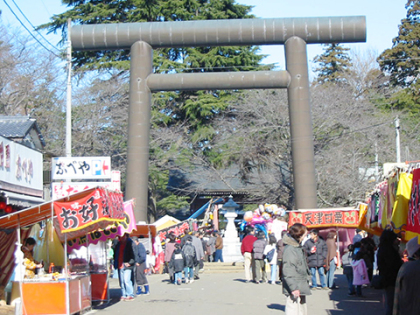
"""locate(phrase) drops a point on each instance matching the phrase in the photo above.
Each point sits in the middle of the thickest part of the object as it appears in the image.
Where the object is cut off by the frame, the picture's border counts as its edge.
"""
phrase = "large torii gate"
(293, 33)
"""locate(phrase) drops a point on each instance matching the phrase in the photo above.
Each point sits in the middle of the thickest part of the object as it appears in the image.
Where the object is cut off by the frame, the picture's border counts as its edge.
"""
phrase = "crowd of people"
(185, 255)
(296, 260)
(301, 255)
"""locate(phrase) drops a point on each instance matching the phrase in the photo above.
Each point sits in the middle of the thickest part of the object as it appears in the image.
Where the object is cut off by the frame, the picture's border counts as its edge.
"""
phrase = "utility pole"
(397, 139)
(376, 162)
(68, 103)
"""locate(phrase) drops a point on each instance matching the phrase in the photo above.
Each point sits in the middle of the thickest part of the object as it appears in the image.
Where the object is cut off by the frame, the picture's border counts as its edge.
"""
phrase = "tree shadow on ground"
(369, 304)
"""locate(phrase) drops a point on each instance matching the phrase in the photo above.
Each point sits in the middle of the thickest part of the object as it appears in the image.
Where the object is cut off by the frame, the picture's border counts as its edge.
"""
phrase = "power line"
(30, 33)
(34, 26)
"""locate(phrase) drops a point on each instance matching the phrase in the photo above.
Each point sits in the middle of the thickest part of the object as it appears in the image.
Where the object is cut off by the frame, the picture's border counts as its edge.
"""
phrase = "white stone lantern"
(231, 242)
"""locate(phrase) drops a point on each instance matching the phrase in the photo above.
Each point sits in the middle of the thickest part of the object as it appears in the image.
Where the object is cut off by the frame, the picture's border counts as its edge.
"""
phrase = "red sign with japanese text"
(99, 205)
(177, 230)
(325, 218)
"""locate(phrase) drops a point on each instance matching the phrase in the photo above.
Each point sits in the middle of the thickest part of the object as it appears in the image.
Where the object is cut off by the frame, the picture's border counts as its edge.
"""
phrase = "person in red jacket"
(246, 249)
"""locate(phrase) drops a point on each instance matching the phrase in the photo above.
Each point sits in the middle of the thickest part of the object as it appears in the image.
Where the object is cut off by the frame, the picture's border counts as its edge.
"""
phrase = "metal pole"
(301, 124)
(68, 104)
(140, 103)
(397, 139)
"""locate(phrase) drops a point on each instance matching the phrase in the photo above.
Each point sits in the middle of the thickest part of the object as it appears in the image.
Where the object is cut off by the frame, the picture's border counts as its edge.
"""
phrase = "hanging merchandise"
(401, 205)
(413, 220)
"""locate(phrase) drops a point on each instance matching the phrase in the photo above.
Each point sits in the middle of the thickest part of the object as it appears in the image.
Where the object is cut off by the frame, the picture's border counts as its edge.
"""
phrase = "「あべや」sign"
(99, 205)
(325, 218)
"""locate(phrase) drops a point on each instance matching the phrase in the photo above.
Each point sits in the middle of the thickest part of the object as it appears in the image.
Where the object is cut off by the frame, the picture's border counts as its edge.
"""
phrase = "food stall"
(90, 252)
(343, 220)
(75, 215)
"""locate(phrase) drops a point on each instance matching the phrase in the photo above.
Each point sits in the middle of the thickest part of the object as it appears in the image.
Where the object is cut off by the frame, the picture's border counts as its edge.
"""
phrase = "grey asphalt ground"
(227, 293)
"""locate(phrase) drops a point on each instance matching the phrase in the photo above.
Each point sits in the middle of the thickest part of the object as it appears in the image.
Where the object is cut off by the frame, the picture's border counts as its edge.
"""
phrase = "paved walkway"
(227, 293)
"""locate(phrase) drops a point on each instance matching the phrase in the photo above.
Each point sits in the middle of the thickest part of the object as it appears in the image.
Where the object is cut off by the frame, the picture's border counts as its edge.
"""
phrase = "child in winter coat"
(272, 258)
(190, 259)
(177, 263)
(360, 274)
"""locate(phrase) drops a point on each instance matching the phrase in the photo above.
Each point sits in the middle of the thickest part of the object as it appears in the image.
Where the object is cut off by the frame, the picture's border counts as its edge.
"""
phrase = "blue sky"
(383, 18)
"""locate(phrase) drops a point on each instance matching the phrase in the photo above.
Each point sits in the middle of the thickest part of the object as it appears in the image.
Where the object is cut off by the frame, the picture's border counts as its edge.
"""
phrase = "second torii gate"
(293, 33)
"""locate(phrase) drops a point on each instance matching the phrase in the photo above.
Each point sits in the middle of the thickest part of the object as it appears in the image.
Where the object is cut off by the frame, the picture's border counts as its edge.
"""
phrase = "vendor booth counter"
(49, 296)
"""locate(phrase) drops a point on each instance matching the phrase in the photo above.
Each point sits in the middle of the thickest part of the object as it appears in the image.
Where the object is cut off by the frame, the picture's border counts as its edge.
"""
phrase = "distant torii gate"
(294, 33)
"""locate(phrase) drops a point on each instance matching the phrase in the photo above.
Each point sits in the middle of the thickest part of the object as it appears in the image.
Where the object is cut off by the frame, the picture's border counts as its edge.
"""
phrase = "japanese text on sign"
(323, 218)
(81, 168)
(97, 206)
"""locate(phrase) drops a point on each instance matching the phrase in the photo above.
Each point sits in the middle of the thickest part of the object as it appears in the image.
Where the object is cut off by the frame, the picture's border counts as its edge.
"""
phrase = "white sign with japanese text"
(81, 168)
(20, 168)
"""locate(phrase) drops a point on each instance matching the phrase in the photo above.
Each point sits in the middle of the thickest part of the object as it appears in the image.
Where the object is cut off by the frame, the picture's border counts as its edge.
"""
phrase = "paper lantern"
(2, 205)
(9, 209)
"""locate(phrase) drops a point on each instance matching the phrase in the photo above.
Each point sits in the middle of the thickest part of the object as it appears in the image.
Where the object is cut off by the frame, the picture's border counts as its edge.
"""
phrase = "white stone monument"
(231, 242)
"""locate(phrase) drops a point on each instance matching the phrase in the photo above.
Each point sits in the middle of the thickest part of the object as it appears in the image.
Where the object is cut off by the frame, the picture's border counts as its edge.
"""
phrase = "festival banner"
(177, 230)
(110, 232)
(325, 218)
(98, 206)
(413, 220)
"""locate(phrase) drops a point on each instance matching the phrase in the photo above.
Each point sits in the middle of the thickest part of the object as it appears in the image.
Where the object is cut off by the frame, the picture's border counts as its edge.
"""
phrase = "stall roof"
(37, 213)
(144, 230)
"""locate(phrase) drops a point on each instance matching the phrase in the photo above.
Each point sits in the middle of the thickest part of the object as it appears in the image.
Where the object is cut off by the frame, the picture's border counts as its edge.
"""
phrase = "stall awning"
(37, 213)
(22, 200)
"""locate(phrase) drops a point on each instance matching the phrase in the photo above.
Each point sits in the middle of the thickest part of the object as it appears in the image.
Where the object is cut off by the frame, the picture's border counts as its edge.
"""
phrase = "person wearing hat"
(407, 284)
(389, 262)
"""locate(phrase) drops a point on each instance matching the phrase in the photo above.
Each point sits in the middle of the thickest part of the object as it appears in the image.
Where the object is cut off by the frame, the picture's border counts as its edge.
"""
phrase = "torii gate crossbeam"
(294, 33)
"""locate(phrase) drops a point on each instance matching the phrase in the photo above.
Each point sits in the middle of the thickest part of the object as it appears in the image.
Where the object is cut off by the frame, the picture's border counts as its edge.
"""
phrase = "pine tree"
(193, 112)
(402, 61)
(334, 64)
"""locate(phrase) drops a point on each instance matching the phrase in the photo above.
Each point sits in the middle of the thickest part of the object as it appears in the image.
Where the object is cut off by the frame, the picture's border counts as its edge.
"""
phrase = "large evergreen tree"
(402, 61)
(333, 64)
(191, 112)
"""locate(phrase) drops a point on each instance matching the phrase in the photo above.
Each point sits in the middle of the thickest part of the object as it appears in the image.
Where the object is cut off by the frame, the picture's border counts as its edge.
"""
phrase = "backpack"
(270, 255)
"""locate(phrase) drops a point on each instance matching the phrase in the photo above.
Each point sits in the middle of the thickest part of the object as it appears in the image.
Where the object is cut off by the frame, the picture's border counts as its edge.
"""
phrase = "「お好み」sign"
(97, 206)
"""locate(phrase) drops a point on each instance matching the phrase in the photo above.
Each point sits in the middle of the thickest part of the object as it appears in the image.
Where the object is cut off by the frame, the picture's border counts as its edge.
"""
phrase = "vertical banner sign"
(99, 205)
(413, 220)
(325, 218)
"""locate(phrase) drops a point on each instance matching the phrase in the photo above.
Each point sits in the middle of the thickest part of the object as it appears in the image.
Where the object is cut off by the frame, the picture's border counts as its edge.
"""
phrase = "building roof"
(22, 129)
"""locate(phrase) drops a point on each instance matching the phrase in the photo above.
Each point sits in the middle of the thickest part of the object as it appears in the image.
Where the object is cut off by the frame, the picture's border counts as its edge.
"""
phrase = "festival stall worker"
(124, 262)
(295, 271)
(28, 258)
(407, 285)
(332, 258)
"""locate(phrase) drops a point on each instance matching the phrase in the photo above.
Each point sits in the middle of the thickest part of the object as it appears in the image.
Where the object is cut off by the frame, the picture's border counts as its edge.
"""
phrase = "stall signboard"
(64, 168)
(20, 168)
(97, 206)
(110, 232)
(325, 218)
(178, 230)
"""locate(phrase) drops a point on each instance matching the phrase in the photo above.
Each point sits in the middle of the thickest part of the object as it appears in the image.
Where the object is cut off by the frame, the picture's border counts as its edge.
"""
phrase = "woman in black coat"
(389, 262)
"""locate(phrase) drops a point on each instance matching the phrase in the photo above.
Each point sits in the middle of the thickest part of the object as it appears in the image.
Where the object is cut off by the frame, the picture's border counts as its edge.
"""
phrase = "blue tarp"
(200, 211)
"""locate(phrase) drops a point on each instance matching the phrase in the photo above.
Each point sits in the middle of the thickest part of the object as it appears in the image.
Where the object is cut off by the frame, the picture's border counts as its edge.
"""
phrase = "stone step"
(223, 267)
